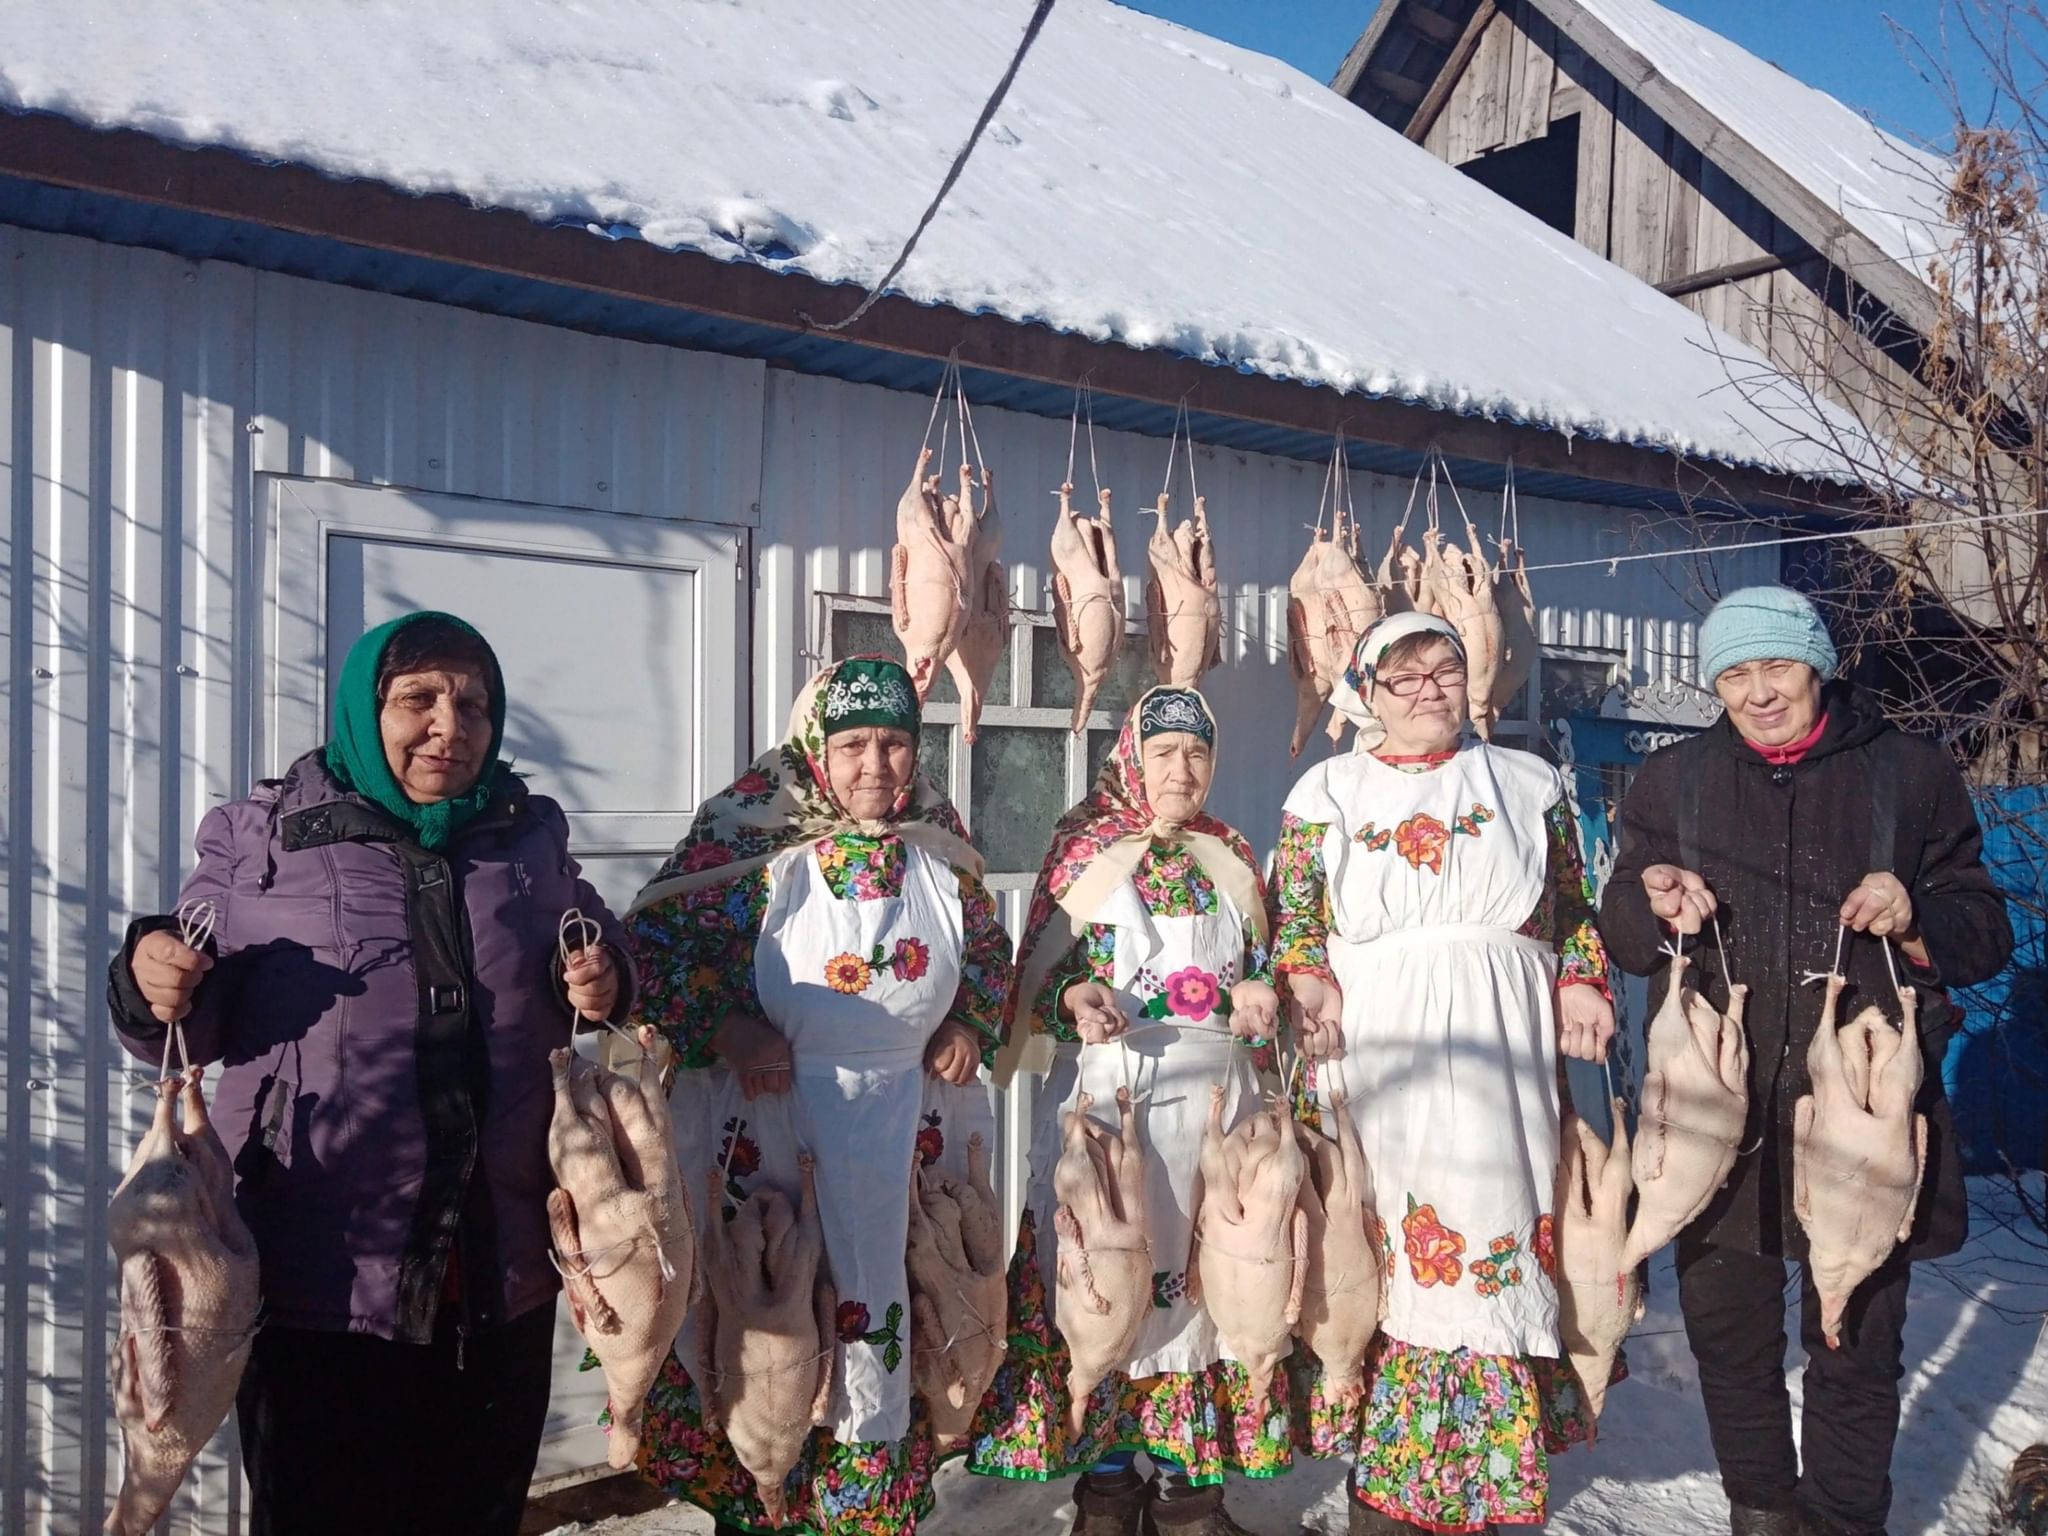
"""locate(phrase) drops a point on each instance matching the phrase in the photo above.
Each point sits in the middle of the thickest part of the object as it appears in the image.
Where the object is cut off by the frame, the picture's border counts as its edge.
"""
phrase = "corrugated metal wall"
(140, 396)
(839, 456)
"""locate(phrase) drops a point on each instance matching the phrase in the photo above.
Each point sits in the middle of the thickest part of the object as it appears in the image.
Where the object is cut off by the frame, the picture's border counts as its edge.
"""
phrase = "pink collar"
(1791, 751)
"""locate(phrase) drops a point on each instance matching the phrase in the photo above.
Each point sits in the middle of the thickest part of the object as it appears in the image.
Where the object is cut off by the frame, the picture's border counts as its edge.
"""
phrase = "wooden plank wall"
(1648, 200)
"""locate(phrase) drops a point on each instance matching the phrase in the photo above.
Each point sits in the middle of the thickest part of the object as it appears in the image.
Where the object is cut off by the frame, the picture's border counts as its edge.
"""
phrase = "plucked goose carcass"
(1341, 1298)
(1516, 605)
(959, 1301)
(1695, 1101)
(1399, 577)
(1087, 598)
(928, 572)
(985, 626)
(621, 1225)
(766, 1330)
(1858, 1149)
(1104, 1272)
(1329, 605)
(1464, 588)
(1185, 614)
(1251, 1239)
(189, 1297)
(1599, 1297)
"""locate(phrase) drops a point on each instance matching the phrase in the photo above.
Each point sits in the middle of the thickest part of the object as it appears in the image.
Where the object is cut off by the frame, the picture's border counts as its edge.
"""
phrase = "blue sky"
(1842, 46)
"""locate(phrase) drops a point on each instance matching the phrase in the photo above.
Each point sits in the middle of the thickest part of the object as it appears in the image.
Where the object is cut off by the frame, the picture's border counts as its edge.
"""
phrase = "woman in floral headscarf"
(1143, 961)
(1434, 927)
(822, 953)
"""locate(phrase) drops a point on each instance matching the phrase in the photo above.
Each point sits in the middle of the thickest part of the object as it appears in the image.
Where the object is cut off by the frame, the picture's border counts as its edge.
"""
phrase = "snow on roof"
(1142, 183)
(1887, 189)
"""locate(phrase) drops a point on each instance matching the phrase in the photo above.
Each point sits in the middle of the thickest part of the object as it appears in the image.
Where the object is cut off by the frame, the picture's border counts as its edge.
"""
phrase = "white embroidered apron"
(1170, 1070)
(1449, 1034)
(858, 988)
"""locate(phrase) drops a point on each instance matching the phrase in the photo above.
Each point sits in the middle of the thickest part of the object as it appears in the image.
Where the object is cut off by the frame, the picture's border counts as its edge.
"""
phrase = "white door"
(621, 638)
(623, 642)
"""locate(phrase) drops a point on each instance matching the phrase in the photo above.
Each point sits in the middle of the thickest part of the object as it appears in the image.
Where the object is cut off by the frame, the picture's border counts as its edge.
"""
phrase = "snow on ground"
(1142, 183)
(1976, 1393)
(1889, 190)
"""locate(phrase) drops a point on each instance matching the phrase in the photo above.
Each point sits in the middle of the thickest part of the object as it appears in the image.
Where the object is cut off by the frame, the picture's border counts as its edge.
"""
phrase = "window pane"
(1099, 745)
(1053, 685)
(858, 633)
(935, 756)
(1128, 679)
(855, 633)
(1574, 686)
(1020, 788)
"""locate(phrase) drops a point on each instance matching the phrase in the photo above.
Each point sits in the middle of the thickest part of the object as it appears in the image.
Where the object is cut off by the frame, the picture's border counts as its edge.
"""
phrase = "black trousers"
(1734, 1306)
(344, 1434)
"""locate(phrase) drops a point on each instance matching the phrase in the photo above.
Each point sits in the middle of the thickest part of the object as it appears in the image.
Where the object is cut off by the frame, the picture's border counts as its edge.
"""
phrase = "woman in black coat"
(1801, 813)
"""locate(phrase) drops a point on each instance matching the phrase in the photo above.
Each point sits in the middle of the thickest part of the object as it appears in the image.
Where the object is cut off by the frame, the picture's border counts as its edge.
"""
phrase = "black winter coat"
(1781, 848)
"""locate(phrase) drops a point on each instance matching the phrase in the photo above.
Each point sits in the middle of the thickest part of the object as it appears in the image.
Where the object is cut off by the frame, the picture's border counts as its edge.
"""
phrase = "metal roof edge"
(197, 234)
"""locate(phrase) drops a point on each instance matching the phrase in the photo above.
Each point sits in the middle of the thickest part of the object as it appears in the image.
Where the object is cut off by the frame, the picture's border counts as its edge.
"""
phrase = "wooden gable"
(1500, 90)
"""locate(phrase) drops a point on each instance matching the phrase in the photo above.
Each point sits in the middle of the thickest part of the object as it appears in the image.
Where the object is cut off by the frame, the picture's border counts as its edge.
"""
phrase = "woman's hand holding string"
(591, 981)
(1317, 1014)
(1254, 1010)
(1679, 896)
(755, 1051)
(1585, 1022)
(167, 972)
(1094, 1009)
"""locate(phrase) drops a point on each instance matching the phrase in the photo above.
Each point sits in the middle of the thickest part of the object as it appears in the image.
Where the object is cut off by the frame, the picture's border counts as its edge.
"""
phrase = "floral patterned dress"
(1172, 945)
(1444, 898)
(859, 942)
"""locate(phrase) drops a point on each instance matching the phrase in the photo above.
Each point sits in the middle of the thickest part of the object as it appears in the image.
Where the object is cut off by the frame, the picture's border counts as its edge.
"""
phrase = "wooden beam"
(226, 185)
(1454, 66)
(1352, 70)
(1732, 272)
(1400, 87)
(1846, 248)
(1434, 25)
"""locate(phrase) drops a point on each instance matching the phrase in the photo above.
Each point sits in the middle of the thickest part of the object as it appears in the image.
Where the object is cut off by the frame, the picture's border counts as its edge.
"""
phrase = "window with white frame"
(1026, 766)
(1565, 680)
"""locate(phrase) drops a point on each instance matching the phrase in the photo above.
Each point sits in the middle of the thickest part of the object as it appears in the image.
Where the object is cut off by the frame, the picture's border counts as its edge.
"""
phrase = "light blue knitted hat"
(1764, 624)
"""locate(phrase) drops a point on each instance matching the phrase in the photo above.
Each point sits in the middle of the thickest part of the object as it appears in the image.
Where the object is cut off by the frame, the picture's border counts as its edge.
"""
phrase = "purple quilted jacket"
(383, 1017)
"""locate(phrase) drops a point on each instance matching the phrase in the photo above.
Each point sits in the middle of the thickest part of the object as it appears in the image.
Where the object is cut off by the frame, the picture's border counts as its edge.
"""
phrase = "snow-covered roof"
(1142, 183)
(1887, 189)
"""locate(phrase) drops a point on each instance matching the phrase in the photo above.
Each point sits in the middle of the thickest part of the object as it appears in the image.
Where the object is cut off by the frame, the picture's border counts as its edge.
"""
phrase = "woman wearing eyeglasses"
(1434, 931)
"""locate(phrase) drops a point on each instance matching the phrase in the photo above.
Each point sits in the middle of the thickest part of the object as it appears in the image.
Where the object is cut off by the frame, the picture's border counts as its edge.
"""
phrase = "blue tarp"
(1996, 1070)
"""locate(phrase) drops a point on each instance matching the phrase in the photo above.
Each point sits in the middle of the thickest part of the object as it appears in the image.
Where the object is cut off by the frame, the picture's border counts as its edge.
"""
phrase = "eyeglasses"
(1406, 685)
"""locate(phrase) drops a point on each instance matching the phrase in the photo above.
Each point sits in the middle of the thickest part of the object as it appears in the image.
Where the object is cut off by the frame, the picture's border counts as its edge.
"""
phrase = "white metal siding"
(837, 457)
(140, 396)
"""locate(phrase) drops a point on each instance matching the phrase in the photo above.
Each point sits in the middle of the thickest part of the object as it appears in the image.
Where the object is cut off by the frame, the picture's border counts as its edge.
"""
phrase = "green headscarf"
(355, 749)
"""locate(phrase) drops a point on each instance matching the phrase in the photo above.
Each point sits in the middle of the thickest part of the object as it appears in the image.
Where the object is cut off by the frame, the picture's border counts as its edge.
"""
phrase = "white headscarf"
(1352, 697)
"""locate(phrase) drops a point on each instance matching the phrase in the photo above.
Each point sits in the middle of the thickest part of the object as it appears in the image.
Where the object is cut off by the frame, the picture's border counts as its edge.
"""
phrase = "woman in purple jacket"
(382, 988)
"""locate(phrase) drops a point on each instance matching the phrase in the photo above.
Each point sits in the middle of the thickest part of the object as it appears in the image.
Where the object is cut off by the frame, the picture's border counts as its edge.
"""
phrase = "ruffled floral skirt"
(1201, 1420)
(1447, 1440)
(877, 1488)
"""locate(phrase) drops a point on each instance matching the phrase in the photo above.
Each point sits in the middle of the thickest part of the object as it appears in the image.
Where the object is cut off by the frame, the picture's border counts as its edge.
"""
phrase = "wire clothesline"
(1610, 561)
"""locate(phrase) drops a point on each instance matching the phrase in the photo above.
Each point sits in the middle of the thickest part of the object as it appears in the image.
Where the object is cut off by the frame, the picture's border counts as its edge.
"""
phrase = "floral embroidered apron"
(1449, 1036)
(858, 988)
(1178, 967)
